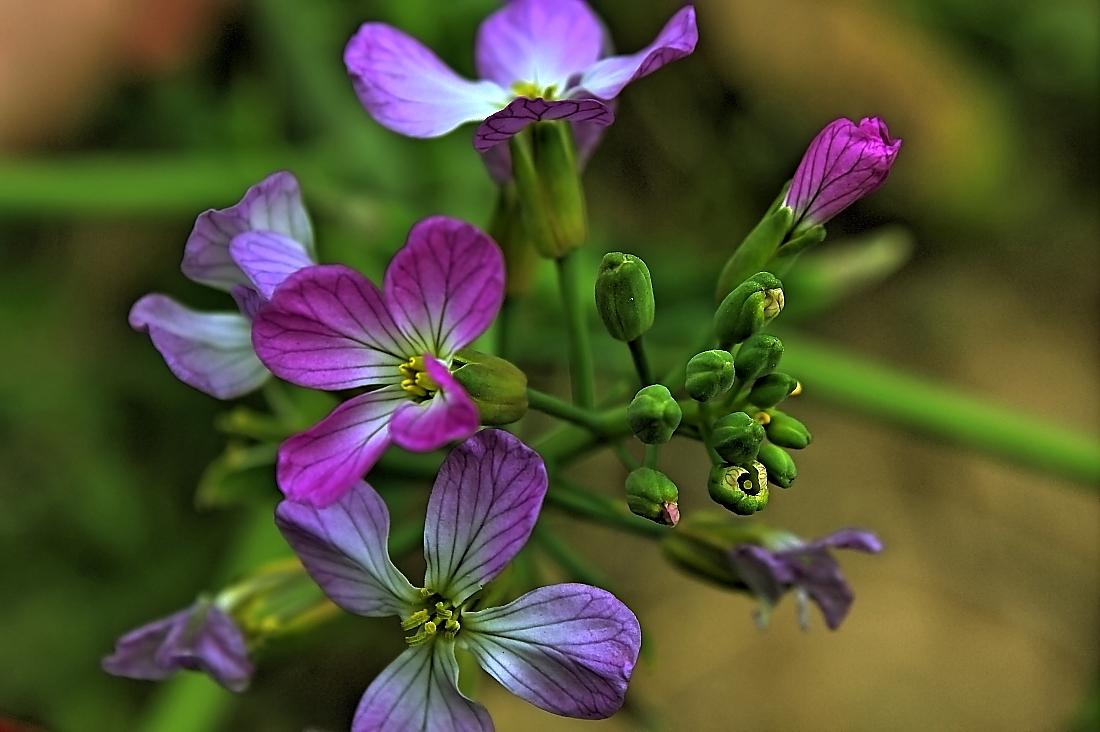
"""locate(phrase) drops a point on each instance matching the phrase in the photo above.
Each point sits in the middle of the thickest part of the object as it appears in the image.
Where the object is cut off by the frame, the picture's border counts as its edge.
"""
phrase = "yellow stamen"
(417, 381)
(531, 90)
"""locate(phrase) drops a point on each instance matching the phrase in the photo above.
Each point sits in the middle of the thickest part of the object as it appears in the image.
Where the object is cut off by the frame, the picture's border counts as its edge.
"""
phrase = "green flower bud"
(709, 374)
(756, 357)
(786, 431)
(736, 438)
(548, 183)
(758, 247)
(742, 490)
(497, 387)
(752, 305)
(779, 464)
(654, 415)
(772, 389)
(624, 296)
(650, 494)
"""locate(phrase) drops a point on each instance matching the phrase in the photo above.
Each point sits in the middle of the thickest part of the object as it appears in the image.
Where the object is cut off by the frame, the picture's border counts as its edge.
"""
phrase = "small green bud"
(758, 356)
(624, 296)
(779, 464)
(497, 387)
(752, 305)
(654, 415)
(650, 494)
(786, 431)
(742, 490)
(736, 438)
(709, 374)
(771, 389)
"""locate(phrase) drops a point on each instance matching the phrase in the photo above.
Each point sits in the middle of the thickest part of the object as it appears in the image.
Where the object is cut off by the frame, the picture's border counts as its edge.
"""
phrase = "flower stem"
(641, 363)
(599, 508)
(548, 404)
(580, 352)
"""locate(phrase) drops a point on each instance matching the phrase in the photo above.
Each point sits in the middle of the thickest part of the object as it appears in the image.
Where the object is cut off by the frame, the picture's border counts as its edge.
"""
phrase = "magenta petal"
(677, 39)
(418, 692)
(522, 111)
(569, 649)
(445, 286)
(544, 42)
(449, 415)
(344, 549)
(274, 204)
(209, 351)
(406, 88)
(268, 258)
(484, 504)
(320, 465)
(327, 327)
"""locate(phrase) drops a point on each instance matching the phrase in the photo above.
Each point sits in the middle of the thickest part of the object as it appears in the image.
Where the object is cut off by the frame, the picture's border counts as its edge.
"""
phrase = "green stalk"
(555, 407)
(641, 363)
(580, 351)
(599, 508)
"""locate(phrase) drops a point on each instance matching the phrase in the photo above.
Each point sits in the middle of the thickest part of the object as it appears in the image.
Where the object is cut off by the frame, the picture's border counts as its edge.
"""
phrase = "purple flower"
(201, 638)
(569, 649)
(538, 59)
(246, 250)
(807, 568)
(844, 163)
(329, 327)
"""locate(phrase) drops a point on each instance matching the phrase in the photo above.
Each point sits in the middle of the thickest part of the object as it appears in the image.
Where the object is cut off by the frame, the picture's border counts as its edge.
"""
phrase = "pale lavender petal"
(248, 300)
(542, 42)
(522, 111)
(320, 465)
(209, 351)
(268, 258)
(344, 549)
(858, 539)
(449, 415)
(569, 649)
(274, 204)
(484, 504)
(135, 655)
(406, 88)
(767, 575)
(498, 163)
(327, 327)
(418, 692)
(607, 77)
(445, 286)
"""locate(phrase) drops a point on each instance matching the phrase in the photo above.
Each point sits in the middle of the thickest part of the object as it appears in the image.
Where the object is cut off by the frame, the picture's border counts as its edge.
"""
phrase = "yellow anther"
(762, 417)
(417, 381)
(797, 388)
(531, 90)
(418, 618)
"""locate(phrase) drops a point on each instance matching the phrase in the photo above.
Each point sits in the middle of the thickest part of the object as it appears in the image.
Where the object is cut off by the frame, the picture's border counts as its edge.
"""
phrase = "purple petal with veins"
(248, 301)
(268, 258)
(449, 415)
(522, 111)
(569, 649)
(484, 504)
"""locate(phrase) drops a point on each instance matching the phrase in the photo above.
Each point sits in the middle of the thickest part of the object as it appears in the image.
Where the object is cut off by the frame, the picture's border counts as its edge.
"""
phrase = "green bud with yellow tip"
(743, 490)
(771, 389)
(498, 388)
(650, 494)
(654, 415)
(736, 438)
(758, 356)
(779, 464)
(709, 374)
(786, 431)
(748, 308)
(624, 296)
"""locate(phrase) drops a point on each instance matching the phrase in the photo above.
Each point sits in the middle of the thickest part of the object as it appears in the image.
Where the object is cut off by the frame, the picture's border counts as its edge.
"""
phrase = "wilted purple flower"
(569, 649)
(246, 250)
(201, 638)
(844, 163)
(329, 327)
(807, 568)
(538, 59)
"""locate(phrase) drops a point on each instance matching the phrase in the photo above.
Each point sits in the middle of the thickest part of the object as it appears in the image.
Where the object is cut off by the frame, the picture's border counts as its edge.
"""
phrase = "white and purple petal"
(407, 89)
(607, 77)
(327, 327)
(344, 548)
(569, 649)
(323, 463)
(449, 415)
(445, 286)
(522, 111)
(267, 258)
(484, 504)
(209, 351)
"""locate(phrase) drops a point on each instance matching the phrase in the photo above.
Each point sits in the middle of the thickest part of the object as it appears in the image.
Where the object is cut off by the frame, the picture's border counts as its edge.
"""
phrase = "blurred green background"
(121, 120)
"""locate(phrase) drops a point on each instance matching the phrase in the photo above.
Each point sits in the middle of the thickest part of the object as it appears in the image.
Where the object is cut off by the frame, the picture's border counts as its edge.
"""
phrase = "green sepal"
(497, 386)
(709, 374)
(758, 356)
(772, 389)
(624, 296)
(702, 543)
(742, 490)
(521, 260)
(786, 255)
(548, 184)
(786, 431)
(651, 495)
(653, 415)
(241, 475)
(748, 308)
(779, 464)
(756, 250)
(736, 438)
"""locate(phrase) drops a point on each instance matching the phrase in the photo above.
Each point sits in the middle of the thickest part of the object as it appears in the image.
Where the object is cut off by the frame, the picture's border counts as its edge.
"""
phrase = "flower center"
(417, 381)
(532, 90)
(428, 621)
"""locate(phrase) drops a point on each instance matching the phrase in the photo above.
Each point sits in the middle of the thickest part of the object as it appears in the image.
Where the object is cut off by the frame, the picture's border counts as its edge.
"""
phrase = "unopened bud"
(736, 438)
(741, 490)
(650, 494)
(709, 374)
(786, 431)
(497, 387)
(654, 415)
(758, 356)
(752, 305)
(779, 464)
(624, 296)
(771, 389)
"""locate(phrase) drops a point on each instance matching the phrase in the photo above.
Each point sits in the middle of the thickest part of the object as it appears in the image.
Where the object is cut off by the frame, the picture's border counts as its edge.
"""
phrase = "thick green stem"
(580, 351)
(641, 363)
(555, 407)
(599, 508)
